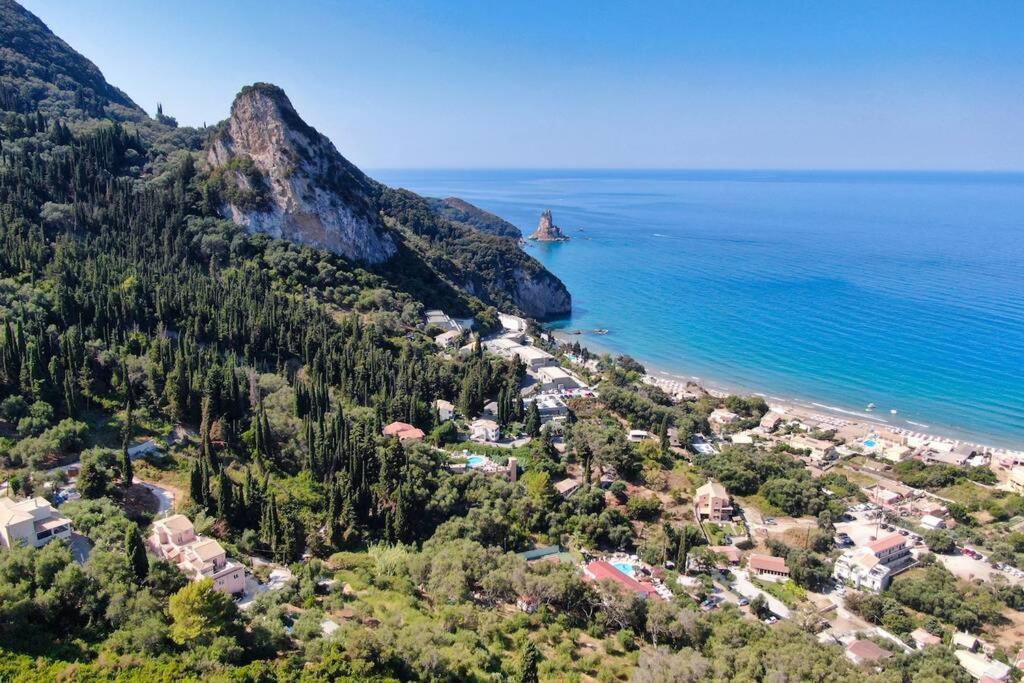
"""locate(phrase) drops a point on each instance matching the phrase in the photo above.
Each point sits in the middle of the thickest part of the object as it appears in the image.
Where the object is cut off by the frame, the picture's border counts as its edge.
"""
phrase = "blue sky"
(782, 84)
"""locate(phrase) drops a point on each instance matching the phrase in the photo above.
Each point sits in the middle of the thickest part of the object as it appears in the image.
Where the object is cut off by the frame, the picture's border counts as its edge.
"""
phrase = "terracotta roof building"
(604, 571)
(768, 567)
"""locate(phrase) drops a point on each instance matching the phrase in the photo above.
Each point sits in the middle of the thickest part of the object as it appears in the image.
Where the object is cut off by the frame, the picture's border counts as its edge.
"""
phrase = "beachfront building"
(605, 571)
(818, 451)
(555, 378)
(484, 430)
(445, 409)
(1017, 479)
(33, 522)
(770, 421)
(534, 358)
(502, 346)
(175, 540)
(768, 567)
(712, 502)
(404, 432)
(721, 416)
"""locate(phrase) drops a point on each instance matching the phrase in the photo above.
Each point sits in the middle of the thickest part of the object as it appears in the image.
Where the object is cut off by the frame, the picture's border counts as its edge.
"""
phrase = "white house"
(555, 378)
(534, 358)
(445, 409)
(871, 567)
(981, 666)
(484, 430)
(722, 416)
(550, 407)
(932, 522)
(32, 521)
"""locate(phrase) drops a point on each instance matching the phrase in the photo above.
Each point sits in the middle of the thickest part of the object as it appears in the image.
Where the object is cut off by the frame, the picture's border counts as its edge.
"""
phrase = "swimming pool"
(870, 443)
(625, 567)
(476, 461)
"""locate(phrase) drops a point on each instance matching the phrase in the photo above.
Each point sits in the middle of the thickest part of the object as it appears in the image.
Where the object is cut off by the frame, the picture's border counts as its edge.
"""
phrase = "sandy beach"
(849, 420)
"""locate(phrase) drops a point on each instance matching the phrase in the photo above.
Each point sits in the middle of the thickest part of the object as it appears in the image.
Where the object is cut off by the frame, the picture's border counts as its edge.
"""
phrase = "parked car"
(743, 602)
(771, 619)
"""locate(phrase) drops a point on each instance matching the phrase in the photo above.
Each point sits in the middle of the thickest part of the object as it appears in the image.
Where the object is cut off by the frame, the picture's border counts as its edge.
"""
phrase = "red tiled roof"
(768, 563)
(601, 571)
(887, 543)
(396, 428)
(414, 433)
(730, 552)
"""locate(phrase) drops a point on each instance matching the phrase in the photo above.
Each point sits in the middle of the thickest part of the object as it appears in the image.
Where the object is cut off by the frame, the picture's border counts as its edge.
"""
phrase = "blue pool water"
(475, 461)
(901, 289)
(870, 443)
(625, 567)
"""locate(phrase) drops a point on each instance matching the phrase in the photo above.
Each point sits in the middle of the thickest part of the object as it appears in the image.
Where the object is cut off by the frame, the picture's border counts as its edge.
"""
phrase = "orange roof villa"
(404, 431)
(605, 571)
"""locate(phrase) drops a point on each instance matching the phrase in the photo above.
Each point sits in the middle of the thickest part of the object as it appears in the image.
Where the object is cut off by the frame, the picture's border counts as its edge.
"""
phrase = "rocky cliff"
(282, 177)
(275, 174)
(547, 231)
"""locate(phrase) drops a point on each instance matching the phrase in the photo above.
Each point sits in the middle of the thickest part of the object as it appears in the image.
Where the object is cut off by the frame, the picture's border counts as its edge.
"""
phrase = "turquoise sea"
(901, 289)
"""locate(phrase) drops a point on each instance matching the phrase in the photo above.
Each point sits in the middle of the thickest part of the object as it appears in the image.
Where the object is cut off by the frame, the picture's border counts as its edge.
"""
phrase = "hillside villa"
(712, 502)
(445, 409)
(32, 521)
(556, 378)
(484, 430)
(175, 540)
(404, 431)
(604, 571)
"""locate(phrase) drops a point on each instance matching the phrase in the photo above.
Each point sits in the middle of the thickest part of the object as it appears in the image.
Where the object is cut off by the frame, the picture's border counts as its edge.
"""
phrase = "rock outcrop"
(547, 231)
(273, 173)
(461, 211)
(280, 176)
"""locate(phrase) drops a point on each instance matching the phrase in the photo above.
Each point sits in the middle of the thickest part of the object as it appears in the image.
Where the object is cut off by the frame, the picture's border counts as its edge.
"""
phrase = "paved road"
(748, 590)
(164, 497)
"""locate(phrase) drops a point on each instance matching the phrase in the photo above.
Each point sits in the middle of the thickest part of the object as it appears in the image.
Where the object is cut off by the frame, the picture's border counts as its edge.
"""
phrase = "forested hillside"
(264, 371)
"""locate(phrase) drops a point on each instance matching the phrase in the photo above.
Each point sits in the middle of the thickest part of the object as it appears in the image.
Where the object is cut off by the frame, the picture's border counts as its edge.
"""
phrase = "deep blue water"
(901, 289)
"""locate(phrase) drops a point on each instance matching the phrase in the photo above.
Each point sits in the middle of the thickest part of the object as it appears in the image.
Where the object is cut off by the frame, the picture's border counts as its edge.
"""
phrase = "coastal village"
(878, 529)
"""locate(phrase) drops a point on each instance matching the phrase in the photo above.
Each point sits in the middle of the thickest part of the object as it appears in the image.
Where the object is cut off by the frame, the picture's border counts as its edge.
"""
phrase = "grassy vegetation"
(788, 592)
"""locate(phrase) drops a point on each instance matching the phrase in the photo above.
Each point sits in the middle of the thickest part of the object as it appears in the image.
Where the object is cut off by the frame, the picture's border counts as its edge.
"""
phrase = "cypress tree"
(526, 669)
(135, 551)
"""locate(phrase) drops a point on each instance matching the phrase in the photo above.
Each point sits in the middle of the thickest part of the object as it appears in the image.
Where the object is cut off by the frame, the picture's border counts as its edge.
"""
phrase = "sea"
(836, 289)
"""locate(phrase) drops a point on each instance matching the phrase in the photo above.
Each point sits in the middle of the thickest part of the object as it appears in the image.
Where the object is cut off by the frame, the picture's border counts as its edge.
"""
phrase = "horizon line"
(709, 169)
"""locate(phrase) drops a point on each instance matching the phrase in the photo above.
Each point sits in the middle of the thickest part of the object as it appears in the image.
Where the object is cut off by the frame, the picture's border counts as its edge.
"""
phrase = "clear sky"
(899, 84)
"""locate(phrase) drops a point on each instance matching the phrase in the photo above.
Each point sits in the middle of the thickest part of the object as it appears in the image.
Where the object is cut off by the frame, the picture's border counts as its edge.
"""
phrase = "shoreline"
(800, 407)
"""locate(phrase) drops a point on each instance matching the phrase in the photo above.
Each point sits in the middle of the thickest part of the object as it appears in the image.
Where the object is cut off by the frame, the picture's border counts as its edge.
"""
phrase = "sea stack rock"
(547, 231)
